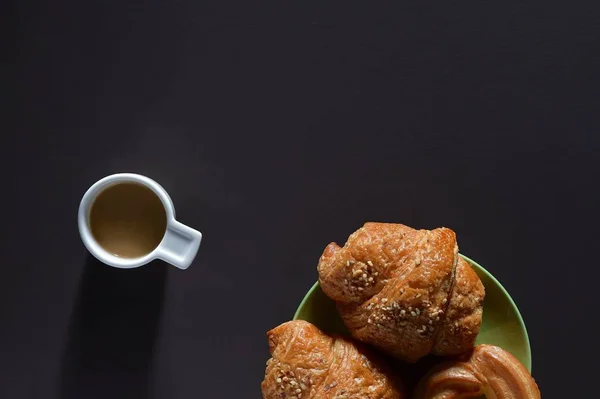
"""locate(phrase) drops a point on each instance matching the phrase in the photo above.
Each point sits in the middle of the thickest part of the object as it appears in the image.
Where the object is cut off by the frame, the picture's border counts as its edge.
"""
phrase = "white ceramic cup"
(178, 247)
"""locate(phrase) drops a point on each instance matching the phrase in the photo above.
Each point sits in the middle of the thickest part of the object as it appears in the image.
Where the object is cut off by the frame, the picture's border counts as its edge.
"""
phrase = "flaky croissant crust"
(309, 364)
(488, 370)
(403, 290)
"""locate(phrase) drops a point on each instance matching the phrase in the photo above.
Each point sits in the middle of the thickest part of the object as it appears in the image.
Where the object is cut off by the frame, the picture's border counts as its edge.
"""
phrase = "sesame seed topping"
(418, 296)
(369, 263)
(279, 380)
(376, 274)
(360, 288)
(402, 312)
(384, 300)
(369, 320)
(364, 276)
(444, 301)
(418, 311)
(370, 279)
(347, 263)
(413, 314)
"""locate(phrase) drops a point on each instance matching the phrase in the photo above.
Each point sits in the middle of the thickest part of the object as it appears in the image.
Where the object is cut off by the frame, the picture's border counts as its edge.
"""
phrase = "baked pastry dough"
(308, 364)
(488, 370)
(404, 291)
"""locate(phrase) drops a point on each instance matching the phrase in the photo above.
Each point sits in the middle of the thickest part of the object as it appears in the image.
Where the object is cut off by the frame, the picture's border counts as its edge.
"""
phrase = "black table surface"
(278, 127)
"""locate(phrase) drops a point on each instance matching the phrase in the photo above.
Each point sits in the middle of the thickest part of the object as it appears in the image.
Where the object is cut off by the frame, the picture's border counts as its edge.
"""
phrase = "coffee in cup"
(127, 220)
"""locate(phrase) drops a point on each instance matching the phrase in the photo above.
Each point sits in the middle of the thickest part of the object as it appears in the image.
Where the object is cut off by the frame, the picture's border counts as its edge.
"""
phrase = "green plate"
(502, 323)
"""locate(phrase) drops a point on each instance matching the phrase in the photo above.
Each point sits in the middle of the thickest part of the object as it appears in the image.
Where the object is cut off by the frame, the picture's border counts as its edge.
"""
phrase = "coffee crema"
(128, 220)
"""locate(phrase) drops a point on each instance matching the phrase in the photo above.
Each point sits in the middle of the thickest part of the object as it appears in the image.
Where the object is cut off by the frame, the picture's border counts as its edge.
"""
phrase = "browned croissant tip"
(275, 334)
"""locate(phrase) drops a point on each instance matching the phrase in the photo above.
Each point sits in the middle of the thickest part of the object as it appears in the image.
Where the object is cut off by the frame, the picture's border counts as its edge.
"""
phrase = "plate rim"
(484, 271)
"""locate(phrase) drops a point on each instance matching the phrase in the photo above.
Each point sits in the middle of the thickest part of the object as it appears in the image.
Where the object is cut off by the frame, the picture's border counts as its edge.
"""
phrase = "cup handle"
(180, 245)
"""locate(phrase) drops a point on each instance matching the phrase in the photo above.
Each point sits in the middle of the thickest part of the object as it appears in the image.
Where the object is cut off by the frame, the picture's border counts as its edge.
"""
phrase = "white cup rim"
(88, 200)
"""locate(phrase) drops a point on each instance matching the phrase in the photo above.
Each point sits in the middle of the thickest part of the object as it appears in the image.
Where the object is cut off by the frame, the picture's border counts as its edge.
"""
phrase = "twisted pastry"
(488, 370)
(308, 364)
(404, 291)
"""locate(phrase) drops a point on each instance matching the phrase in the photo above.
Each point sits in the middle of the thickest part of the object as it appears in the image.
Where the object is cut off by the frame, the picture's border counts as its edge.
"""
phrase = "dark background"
(278, 127)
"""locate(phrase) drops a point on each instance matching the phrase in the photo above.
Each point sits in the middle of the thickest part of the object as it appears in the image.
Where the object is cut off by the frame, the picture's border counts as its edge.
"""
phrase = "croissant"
(404, 291)
(307, 364)
(488, 370)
